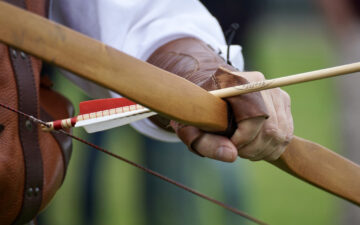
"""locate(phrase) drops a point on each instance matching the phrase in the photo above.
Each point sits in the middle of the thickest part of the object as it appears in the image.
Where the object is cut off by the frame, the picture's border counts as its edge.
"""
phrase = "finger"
(280, 124)
(258, 148)
(269, 144)
(216, 147)
(271, 151)
(283, 113)
(275, 133)
(285, 127)
(247, 131)
(279, 150)
(290, 120)
(270, 105)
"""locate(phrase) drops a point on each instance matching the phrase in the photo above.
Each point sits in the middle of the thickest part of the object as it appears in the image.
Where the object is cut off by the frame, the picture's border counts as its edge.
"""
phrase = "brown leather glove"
(195, 61)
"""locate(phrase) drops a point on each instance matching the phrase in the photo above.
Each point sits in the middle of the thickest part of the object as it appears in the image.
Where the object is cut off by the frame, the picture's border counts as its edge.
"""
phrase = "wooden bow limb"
(126, 75)
(111, 68)
(321, 167)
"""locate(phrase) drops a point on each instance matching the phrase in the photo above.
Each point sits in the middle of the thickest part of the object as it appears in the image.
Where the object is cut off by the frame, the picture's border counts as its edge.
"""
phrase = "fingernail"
(225, 153)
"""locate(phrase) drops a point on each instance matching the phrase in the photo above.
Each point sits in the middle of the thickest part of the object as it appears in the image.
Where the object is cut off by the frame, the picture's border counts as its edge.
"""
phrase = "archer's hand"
(255, 138)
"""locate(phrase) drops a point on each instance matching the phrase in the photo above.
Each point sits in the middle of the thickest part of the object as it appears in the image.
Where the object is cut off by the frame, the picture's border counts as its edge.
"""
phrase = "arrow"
(105, 114)
(102, 114)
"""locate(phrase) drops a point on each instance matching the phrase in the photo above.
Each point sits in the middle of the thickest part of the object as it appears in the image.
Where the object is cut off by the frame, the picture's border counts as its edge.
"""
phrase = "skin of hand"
(256, 138)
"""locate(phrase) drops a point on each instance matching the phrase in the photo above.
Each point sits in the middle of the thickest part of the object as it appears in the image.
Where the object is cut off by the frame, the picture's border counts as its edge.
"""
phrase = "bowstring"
(149, 171)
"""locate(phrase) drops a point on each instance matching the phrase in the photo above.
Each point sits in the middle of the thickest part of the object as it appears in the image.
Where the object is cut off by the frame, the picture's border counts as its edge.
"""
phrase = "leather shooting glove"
(254, 138)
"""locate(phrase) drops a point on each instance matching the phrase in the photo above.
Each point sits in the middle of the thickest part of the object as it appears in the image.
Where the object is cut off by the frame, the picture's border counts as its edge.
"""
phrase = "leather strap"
(28, 132)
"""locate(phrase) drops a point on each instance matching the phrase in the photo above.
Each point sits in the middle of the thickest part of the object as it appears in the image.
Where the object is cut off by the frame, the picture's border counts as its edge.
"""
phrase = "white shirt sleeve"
(138, 28)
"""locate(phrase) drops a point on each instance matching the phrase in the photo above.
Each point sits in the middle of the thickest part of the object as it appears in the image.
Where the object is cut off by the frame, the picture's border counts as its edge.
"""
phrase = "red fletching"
(103, 104)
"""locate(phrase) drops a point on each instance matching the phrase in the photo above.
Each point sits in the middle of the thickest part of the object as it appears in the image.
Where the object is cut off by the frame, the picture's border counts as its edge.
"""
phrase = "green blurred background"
(288, 37)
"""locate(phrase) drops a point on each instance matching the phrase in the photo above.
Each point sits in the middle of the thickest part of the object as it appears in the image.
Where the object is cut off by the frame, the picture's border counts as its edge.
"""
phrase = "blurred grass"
(122, 200)
(271, 195)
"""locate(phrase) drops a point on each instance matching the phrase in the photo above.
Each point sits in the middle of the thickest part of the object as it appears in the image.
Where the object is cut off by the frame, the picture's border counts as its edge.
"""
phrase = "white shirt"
(138, 28)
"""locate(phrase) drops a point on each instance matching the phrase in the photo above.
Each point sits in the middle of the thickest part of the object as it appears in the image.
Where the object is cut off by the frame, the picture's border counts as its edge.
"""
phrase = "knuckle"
(258, 76)
(277, 136)
(285, 95)
(271, 132)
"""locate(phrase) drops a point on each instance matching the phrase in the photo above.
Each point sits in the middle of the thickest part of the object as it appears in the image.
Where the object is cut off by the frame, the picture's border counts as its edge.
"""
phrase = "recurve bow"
(135, 79)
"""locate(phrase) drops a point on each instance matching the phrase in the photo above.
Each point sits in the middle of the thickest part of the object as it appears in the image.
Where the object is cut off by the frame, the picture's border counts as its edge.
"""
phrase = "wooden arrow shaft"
(185, 101)
(287, 80)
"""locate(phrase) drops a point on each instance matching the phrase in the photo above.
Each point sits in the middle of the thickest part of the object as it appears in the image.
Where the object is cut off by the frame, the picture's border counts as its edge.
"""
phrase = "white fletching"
(115, 120)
